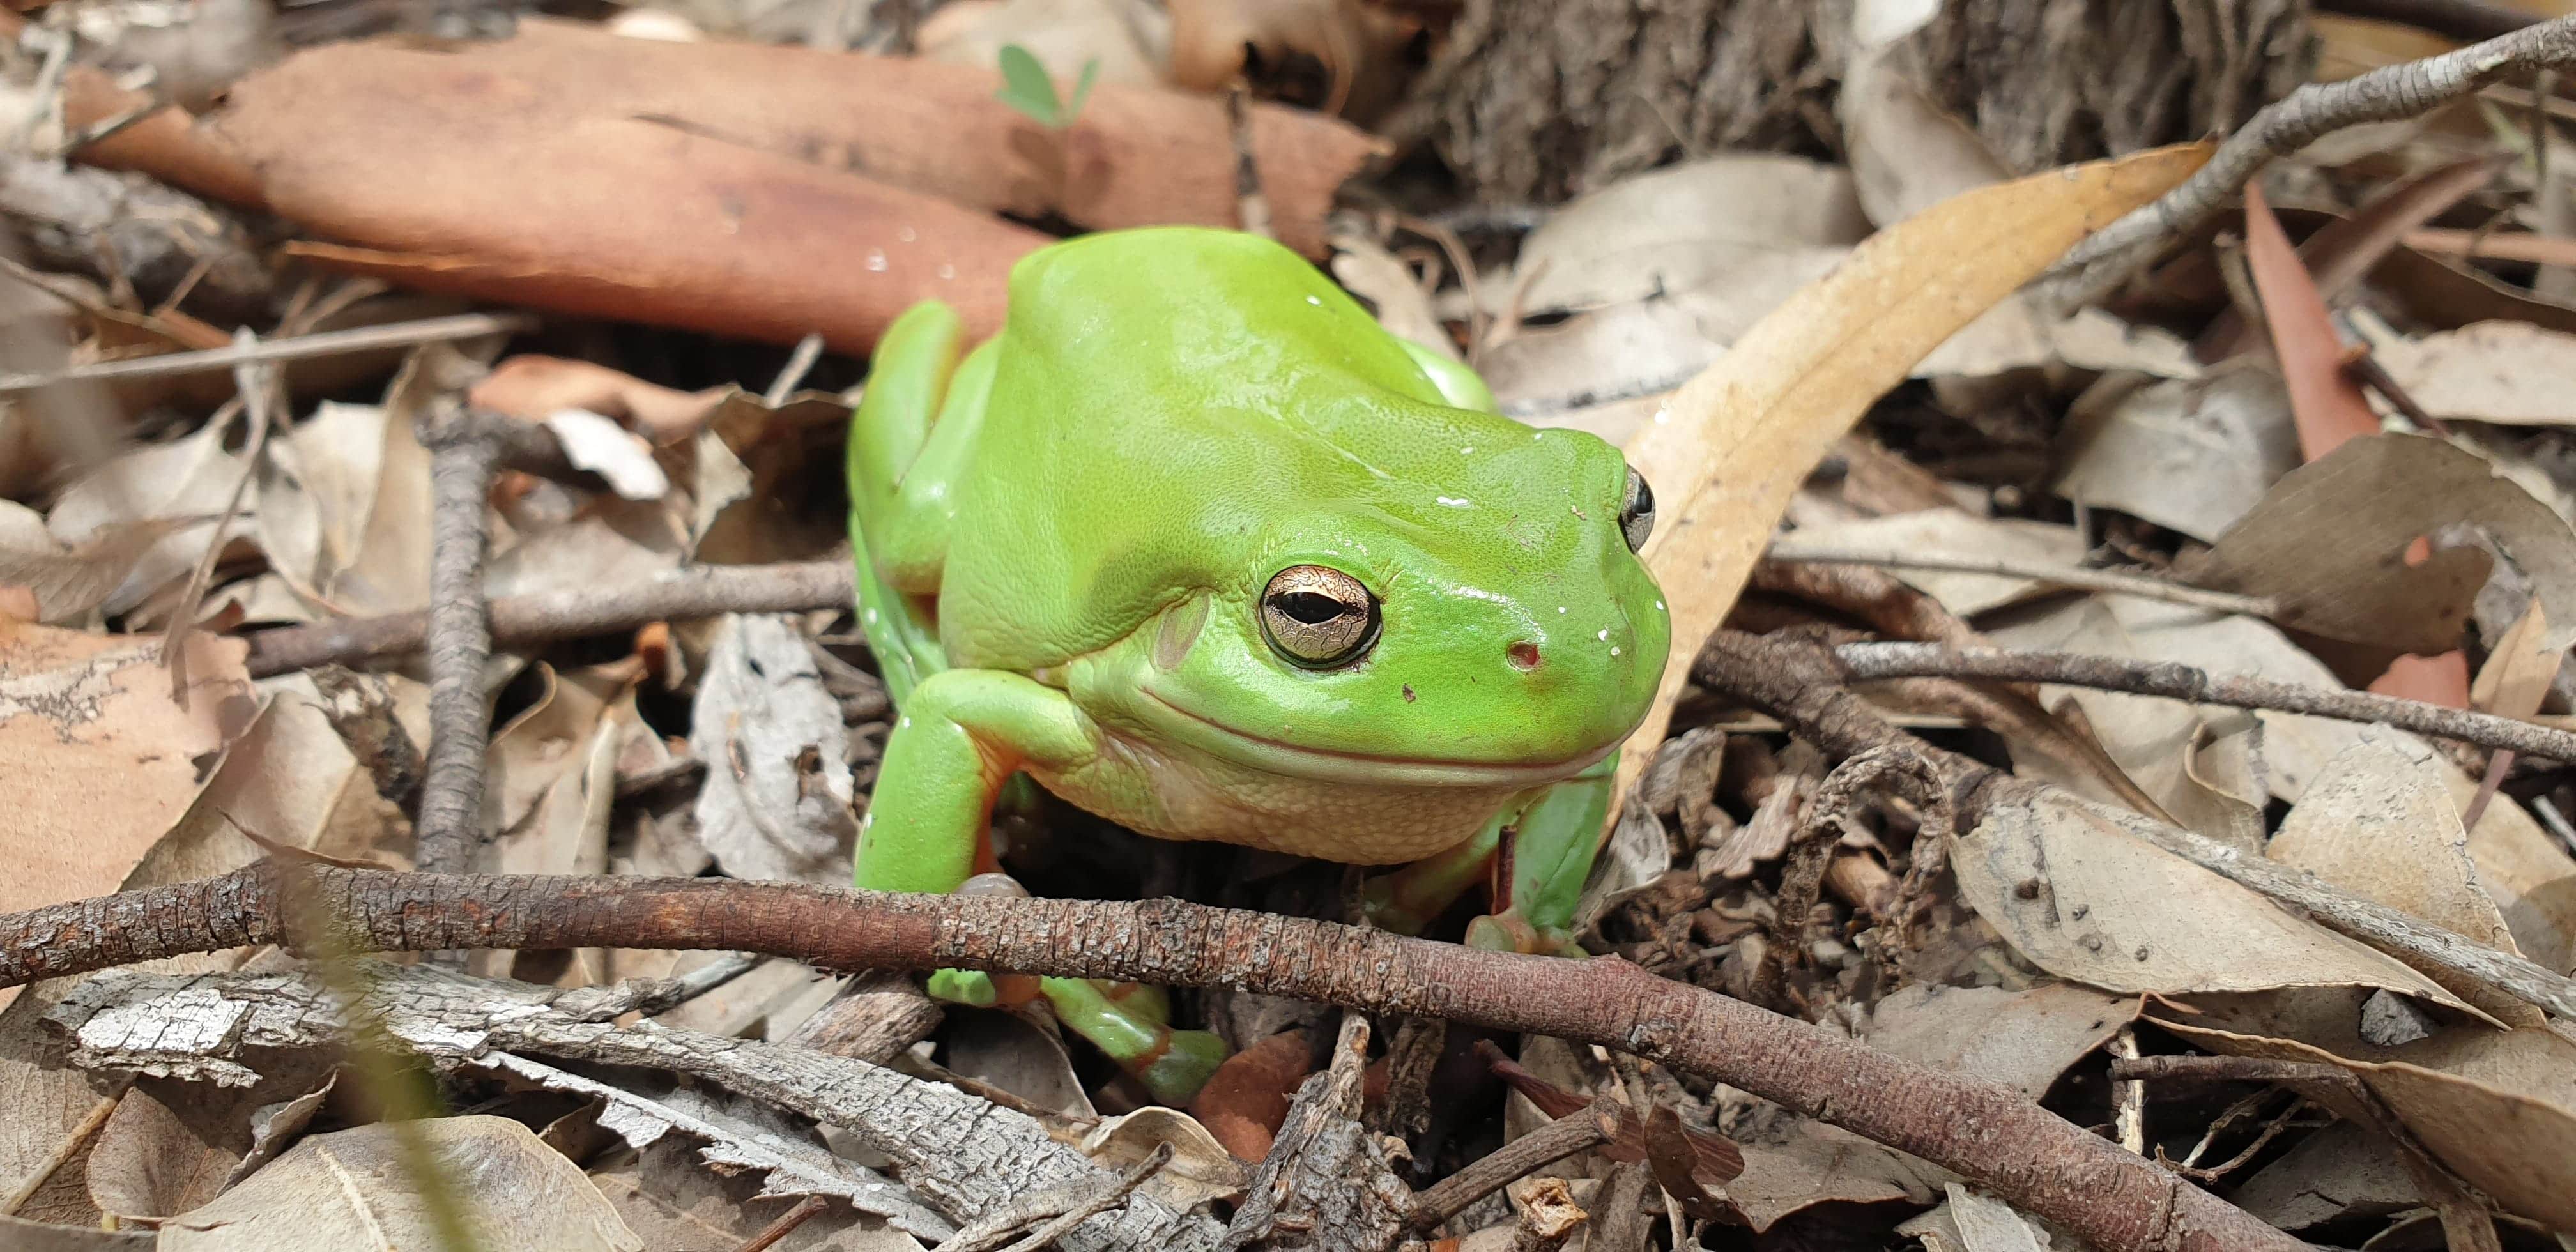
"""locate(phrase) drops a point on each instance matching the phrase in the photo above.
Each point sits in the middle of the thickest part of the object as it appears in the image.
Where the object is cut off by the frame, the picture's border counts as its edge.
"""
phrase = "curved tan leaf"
(1735, 442)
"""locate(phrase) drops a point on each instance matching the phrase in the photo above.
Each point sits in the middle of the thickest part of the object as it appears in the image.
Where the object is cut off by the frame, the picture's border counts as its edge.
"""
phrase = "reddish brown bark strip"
(1981, 1130)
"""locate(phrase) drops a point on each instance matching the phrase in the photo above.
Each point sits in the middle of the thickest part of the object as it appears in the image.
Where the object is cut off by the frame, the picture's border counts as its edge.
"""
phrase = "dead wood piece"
(2387, 94)
(543, 617)
(1801, 683)
(1985, 1132)
(1326, 1183)
(873, 1017)
(960, 1154)
(125, 229)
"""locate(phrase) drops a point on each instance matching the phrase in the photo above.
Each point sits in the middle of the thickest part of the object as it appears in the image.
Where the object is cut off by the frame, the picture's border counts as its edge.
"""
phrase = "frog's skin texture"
(1067, 538)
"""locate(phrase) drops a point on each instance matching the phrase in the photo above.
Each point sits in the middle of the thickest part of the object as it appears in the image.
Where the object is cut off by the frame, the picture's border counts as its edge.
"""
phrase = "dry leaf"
(1737, 440)
(1695, 226)
(2504, 372)
(172, 1146)
(2516, 859)
(191, 478)
(2022, 1039)
(777, 798)
(2329, 543)
(1013, 1054)
(354, 1189)
(69, 583)
(1793, 1162)
(534, 388)
(2378, 824)
(2084, 899)
(2190, 455)
(2341, 1171)
(1200, 1170)
(2519, 668)
(1247, 1098)
(2327, 403)
(2498, 1108)
(1123, 41)
(102, 760)
(1389, 286)
(1955, 535)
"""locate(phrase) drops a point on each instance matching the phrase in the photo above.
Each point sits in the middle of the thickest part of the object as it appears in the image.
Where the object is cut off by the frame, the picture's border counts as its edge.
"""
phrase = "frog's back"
(1160, 397)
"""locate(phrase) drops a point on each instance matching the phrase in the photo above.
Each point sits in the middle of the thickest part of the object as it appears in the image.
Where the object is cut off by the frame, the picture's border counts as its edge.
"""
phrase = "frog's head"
(1494, 626)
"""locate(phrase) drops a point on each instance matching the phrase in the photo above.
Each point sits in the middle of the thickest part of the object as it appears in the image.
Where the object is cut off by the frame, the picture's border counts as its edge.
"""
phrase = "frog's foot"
(1543, 864)
(1131, 1025)
(1410, 899)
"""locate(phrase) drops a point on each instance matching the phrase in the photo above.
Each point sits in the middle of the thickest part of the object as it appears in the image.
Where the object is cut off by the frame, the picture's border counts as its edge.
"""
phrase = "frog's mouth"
(1297, 760)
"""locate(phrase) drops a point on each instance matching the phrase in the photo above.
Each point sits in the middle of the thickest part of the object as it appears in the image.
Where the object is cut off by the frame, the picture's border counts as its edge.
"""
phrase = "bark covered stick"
(2387, 94)
(1863, 662)
(459, 636)
(1982, 1130)
(541, 617)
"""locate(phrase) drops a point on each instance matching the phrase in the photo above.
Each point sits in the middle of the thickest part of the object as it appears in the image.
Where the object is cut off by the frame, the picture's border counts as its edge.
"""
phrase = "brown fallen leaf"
(2325, 402)
(1247, 1098)
(1730, 448)
(533, 387)
(2330, 542)
(101, 759)
(2378, 823)
(358, 1188)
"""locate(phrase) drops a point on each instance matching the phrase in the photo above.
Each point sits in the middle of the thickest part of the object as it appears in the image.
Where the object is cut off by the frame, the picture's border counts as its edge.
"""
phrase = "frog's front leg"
(1546, 842)
(961, 735)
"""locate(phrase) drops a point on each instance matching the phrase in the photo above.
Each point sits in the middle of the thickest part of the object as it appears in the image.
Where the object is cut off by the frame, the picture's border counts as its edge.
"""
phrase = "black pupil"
(1311, 608)
(1641, 501)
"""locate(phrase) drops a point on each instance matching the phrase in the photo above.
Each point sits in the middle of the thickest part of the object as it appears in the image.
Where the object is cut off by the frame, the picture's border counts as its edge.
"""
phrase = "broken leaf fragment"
(355, 1191)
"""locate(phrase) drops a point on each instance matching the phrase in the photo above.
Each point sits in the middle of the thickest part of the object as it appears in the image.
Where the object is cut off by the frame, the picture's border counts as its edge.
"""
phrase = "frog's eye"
(1318, 617)
(1637, 512)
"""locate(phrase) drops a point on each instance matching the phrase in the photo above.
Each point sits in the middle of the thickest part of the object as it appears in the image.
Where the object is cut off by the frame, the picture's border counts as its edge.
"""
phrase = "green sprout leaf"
(1082, 90)
(1026, 87)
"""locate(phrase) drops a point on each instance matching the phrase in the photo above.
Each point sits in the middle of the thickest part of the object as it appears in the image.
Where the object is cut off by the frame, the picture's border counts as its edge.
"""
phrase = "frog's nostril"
(1524, 655)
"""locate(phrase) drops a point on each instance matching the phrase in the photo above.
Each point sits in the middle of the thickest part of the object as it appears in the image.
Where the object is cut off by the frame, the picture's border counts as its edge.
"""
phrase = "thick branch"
(1801, 683)
(1861, 662)
(542, 617)
(1979, 1129)
(2387, 94)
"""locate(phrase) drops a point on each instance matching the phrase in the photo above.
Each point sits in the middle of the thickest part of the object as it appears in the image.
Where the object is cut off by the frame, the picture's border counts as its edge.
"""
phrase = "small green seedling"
(1027, 88)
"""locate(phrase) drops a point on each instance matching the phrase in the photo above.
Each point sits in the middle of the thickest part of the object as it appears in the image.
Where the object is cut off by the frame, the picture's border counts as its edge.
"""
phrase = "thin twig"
(2129, 1099)
(799, 363)
(786, 1225)
(2114, 582)
(1557, 1140)
(301, 347)
(542, 617)
(2387, 94)
(1867, 662)
(459, 637)
(1981, 1130)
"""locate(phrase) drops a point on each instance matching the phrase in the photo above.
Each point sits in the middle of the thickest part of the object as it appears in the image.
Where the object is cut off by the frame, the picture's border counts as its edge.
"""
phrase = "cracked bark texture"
(962, 1154)
(1537, 102)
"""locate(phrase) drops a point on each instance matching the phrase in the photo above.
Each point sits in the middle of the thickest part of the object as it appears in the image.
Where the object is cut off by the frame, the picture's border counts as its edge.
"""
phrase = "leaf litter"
(2340, 407)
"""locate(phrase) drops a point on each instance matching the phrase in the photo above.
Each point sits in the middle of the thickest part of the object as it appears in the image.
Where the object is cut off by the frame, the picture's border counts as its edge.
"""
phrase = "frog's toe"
(1172, 1064)
(971, 987)
(1188, 1060)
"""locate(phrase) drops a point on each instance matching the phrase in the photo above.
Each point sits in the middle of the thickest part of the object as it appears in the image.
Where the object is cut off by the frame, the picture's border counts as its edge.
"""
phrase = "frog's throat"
(1329, 765)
